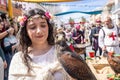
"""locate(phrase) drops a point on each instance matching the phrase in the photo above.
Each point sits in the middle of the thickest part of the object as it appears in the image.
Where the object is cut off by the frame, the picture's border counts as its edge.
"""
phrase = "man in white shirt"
(108, 37)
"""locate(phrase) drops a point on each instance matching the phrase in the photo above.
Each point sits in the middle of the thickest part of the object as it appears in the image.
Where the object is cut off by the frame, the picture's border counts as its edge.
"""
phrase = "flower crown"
(22, 19)
(48, 15)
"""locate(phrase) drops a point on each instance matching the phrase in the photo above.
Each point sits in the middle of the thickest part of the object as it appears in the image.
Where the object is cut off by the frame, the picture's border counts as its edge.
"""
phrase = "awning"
(46, 0)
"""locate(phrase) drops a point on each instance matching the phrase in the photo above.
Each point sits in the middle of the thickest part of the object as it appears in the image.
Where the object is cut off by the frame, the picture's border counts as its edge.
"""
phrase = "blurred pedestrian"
(9, 47)
(95, 35)
(3, 64)
(77, 35)
(91, 33)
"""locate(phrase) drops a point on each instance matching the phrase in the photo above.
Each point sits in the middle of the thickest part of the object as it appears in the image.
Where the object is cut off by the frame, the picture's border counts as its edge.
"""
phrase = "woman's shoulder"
(18, 55)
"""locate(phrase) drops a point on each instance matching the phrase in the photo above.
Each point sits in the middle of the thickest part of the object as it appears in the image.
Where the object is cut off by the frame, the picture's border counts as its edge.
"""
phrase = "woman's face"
(37, 29)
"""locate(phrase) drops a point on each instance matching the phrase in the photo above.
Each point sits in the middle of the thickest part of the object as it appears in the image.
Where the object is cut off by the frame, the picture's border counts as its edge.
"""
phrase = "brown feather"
(114, 62)
(76, 68)
(73, 64)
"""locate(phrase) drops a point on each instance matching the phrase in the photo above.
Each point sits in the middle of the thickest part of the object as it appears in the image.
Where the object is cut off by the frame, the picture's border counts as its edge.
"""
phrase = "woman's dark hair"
(25, 41)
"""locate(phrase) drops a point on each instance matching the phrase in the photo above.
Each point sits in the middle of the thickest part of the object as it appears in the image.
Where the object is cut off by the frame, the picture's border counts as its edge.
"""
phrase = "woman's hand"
(10, 30)
(76, 37)
(96, 34)
(13, 48)
(5, 64)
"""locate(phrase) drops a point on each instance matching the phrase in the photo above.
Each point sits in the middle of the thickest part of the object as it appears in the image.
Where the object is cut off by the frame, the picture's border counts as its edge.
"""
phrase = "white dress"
(45, 67)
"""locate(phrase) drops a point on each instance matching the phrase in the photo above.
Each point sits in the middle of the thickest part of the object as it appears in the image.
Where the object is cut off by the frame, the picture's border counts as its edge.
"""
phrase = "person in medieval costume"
(108, 37)
(77, 35)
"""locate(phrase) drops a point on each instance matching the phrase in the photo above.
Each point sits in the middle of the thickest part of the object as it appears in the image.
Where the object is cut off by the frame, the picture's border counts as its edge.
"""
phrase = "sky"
(81, 5)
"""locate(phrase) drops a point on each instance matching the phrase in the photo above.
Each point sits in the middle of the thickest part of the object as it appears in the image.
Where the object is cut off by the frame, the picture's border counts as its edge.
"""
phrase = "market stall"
(101, 68)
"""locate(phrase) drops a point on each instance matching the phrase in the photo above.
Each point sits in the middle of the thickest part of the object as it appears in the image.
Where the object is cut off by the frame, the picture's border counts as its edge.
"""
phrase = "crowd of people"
(8, 43)
(27, 51)
(102, 35)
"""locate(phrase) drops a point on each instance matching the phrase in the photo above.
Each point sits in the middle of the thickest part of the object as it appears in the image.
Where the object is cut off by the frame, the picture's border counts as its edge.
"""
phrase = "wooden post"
(10, 10)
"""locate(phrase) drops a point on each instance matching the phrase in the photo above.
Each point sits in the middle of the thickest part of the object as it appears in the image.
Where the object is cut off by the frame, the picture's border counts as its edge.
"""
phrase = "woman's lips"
(39, 36)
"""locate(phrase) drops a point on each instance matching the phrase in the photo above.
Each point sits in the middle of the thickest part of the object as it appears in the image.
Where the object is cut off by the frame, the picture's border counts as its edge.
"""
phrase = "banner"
(91, 12)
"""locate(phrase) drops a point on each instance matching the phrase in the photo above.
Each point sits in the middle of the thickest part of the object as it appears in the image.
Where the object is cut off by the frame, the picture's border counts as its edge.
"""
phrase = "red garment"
(71, 47)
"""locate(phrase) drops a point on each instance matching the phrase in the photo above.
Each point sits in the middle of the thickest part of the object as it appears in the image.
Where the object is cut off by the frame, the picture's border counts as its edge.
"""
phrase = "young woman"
(37, 60)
